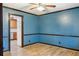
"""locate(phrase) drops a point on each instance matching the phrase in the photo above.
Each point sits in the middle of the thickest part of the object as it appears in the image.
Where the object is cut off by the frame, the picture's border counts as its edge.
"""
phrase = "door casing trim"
(22, 29)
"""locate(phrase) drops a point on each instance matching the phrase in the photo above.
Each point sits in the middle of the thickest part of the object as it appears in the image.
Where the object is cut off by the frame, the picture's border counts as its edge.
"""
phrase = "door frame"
(22, 29)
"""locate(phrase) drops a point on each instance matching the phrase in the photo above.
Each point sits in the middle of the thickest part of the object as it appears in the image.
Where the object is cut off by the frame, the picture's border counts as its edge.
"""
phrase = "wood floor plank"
(39, 50)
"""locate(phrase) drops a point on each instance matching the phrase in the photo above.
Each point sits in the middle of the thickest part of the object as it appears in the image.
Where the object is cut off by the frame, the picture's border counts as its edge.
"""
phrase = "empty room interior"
(41, 29)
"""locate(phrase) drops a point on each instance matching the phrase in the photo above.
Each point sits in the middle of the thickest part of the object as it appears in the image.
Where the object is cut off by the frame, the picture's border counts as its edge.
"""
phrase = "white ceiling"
(24, 7)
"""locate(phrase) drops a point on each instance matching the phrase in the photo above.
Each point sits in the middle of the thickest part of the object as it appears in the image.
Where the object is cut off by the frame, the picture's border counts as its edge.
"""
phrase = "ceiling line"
(19, 10)
(60, 10)
(42, 14)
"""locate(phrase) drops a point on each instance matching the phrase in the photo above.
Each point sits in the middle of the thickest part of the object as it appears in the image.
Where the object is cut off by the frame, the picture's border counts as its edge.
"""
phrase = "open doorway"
(15, 31)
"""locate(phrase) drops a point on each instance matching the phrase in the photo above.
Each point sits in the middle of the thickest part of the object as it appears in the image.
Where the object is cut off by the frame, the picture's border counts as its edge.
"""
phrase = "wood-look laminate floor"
(39, 49)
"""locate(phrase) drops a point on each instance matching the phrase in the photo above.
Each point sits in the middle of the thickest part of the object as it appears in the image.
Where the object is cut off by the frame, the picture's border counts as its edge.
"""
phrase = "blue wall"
(65, 23)
(30, 26)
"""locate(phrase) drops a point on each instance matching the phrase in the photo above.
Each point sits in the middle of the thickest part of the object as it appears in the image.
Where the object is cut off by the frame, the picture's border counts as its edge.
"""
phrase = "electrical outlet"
(59, 42)
(29, 40)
